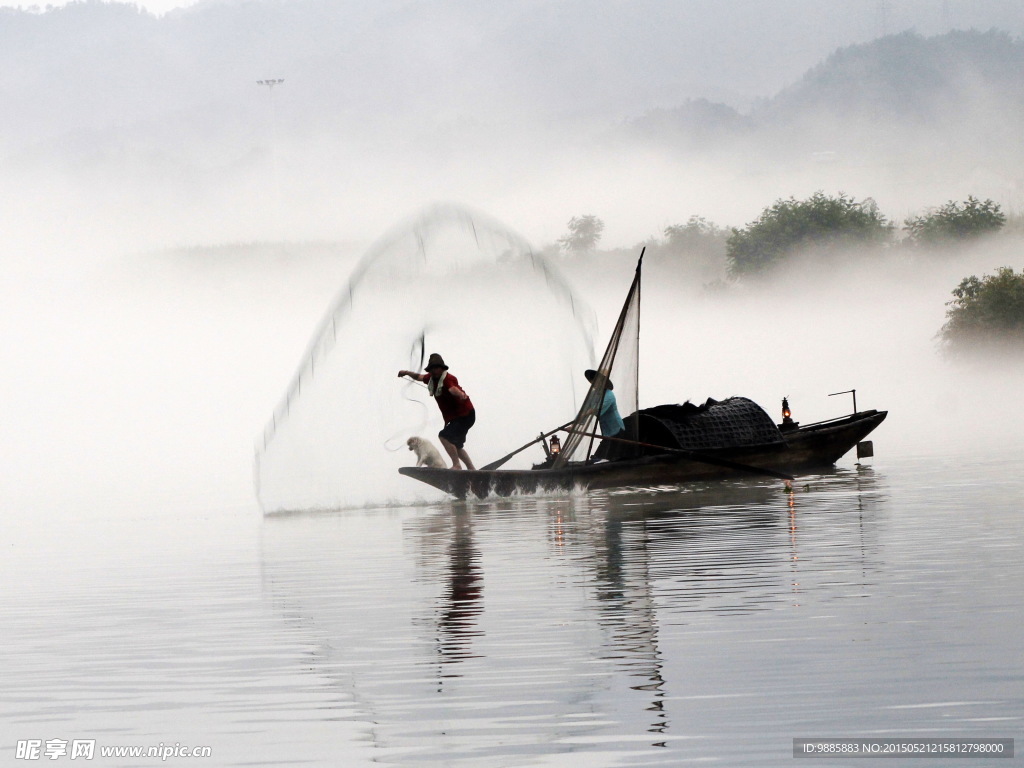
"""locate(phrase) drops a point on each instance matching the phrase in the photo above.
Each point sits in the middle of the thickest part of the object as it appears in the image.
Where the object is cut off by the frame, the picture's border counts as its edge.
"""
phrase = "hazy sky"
(153, 6)
(888, 15)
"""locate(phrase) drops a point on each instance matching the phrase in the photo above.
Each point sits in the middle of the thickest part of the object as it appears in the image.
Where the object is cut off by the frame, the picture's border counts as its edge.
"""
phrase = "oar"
(503, 459)
(714, 460)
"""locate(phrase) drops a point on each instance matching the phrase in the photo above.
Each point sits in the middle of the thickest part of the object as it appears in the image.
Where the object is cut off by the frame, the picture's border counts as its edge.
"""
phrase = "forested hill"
(908, 76)
(965, 87)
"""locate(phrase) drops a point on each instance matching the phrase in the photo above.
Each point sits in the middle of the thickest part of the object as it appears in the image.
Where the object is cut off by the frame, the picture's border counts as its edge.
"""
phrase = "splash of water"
(449, 280)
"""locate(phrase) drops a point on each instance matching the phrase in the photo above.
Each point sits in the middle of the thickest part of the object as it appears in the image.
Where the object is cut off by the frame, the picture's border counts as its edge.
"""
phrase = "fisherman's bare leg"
(452, 451)
(465, 458)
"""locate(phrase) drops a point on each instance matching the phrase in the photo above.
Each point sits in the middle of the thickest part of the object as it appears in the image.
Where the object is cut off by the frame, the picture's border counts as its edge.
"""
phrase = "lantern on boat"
(556, 445)
(787, 416)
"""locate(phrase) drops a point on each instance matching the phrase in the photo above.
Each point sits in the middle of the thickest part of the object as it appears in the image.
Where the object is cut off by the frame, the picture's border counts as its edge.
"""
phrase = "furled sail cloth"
(618, 375)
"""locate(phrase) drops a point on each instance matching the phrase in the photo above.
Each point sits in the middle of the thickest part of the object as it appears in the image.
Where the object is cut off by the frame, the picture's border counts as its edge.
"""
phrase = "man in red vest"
(456, 408)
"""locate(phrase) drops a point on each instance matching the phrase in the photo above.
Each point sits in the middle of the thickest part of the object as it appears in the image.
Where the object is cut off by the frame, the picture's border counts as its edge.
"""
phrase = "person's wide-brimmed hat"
(590, 373)
(435, 361)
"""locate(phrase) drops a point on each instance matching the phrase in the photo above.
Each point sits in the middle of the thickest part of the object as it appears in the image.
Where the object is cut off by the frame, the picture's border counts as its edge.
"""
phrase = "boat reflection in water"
(462, 601)
(513, 630)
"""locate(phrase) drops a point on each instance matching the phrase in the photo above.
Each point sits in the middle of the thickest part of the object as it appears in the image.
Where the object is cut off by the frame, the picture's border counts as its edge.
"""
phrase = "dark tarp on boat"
(733, 423)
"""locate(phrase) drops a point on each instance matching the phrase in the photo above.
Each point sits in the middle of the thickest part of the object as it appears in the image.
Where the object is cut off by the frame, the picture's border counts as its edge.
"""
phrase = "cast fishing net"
(451, 281)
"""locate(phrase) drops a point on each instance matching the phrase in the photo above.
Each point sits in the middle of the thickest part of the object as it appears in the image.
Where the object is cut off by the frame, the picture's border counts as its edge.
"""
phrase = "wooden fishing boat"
(664, 445)
(806, 448)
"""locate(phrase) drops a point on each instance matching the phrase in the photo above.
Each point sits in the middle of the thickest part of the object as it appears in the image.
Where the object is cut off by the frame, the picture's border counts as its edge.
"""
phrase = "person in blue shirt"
(608, 416)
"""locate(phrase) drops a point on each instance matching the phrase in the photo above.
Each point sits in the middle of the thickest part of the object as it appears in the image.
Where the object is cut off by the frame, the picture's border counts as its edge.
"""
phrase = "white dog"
(426, 454)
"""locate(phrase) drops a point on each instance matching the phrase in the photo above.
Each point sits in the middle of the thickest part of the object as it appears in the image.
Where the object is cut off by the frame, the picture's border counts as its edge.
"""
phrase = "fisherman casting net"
(450, 281)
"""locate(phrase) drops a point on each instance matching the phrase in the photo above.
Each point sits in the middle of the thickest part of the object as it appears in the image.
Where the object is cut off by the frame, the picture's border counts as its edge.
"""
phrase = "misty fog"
(174, 232)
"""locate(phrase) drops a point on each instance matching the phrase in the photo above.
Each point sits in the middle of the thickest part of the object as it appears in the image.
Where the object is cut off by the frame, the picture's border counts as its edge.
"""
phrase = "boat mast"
(636, 368)
(595, 395)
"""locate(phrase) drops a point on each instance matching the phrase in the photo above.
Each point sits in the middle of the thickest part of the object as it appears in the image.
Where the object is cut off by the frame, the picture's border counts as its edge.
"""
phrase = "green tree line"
(821, 226)
(827, 228)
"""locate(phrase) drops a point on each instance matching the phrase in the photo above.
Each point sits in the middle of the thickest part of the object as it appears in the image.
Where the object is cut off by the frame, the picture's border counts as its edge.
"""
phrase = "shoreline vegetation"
(825, 232)
(821, 237)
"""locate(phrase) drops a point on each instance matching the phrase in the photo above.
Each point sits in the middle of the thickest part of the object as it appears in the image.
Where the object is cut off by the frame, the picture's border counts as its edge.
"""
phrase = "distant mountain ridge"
(962, 80)
(97, 66)
(909, 76)
(390, 103)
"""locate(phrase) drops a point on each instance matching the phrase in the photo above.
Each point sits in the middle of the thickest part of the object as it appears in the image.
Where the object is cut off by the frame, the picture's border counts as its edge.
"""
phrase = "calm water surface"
(712, 624)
